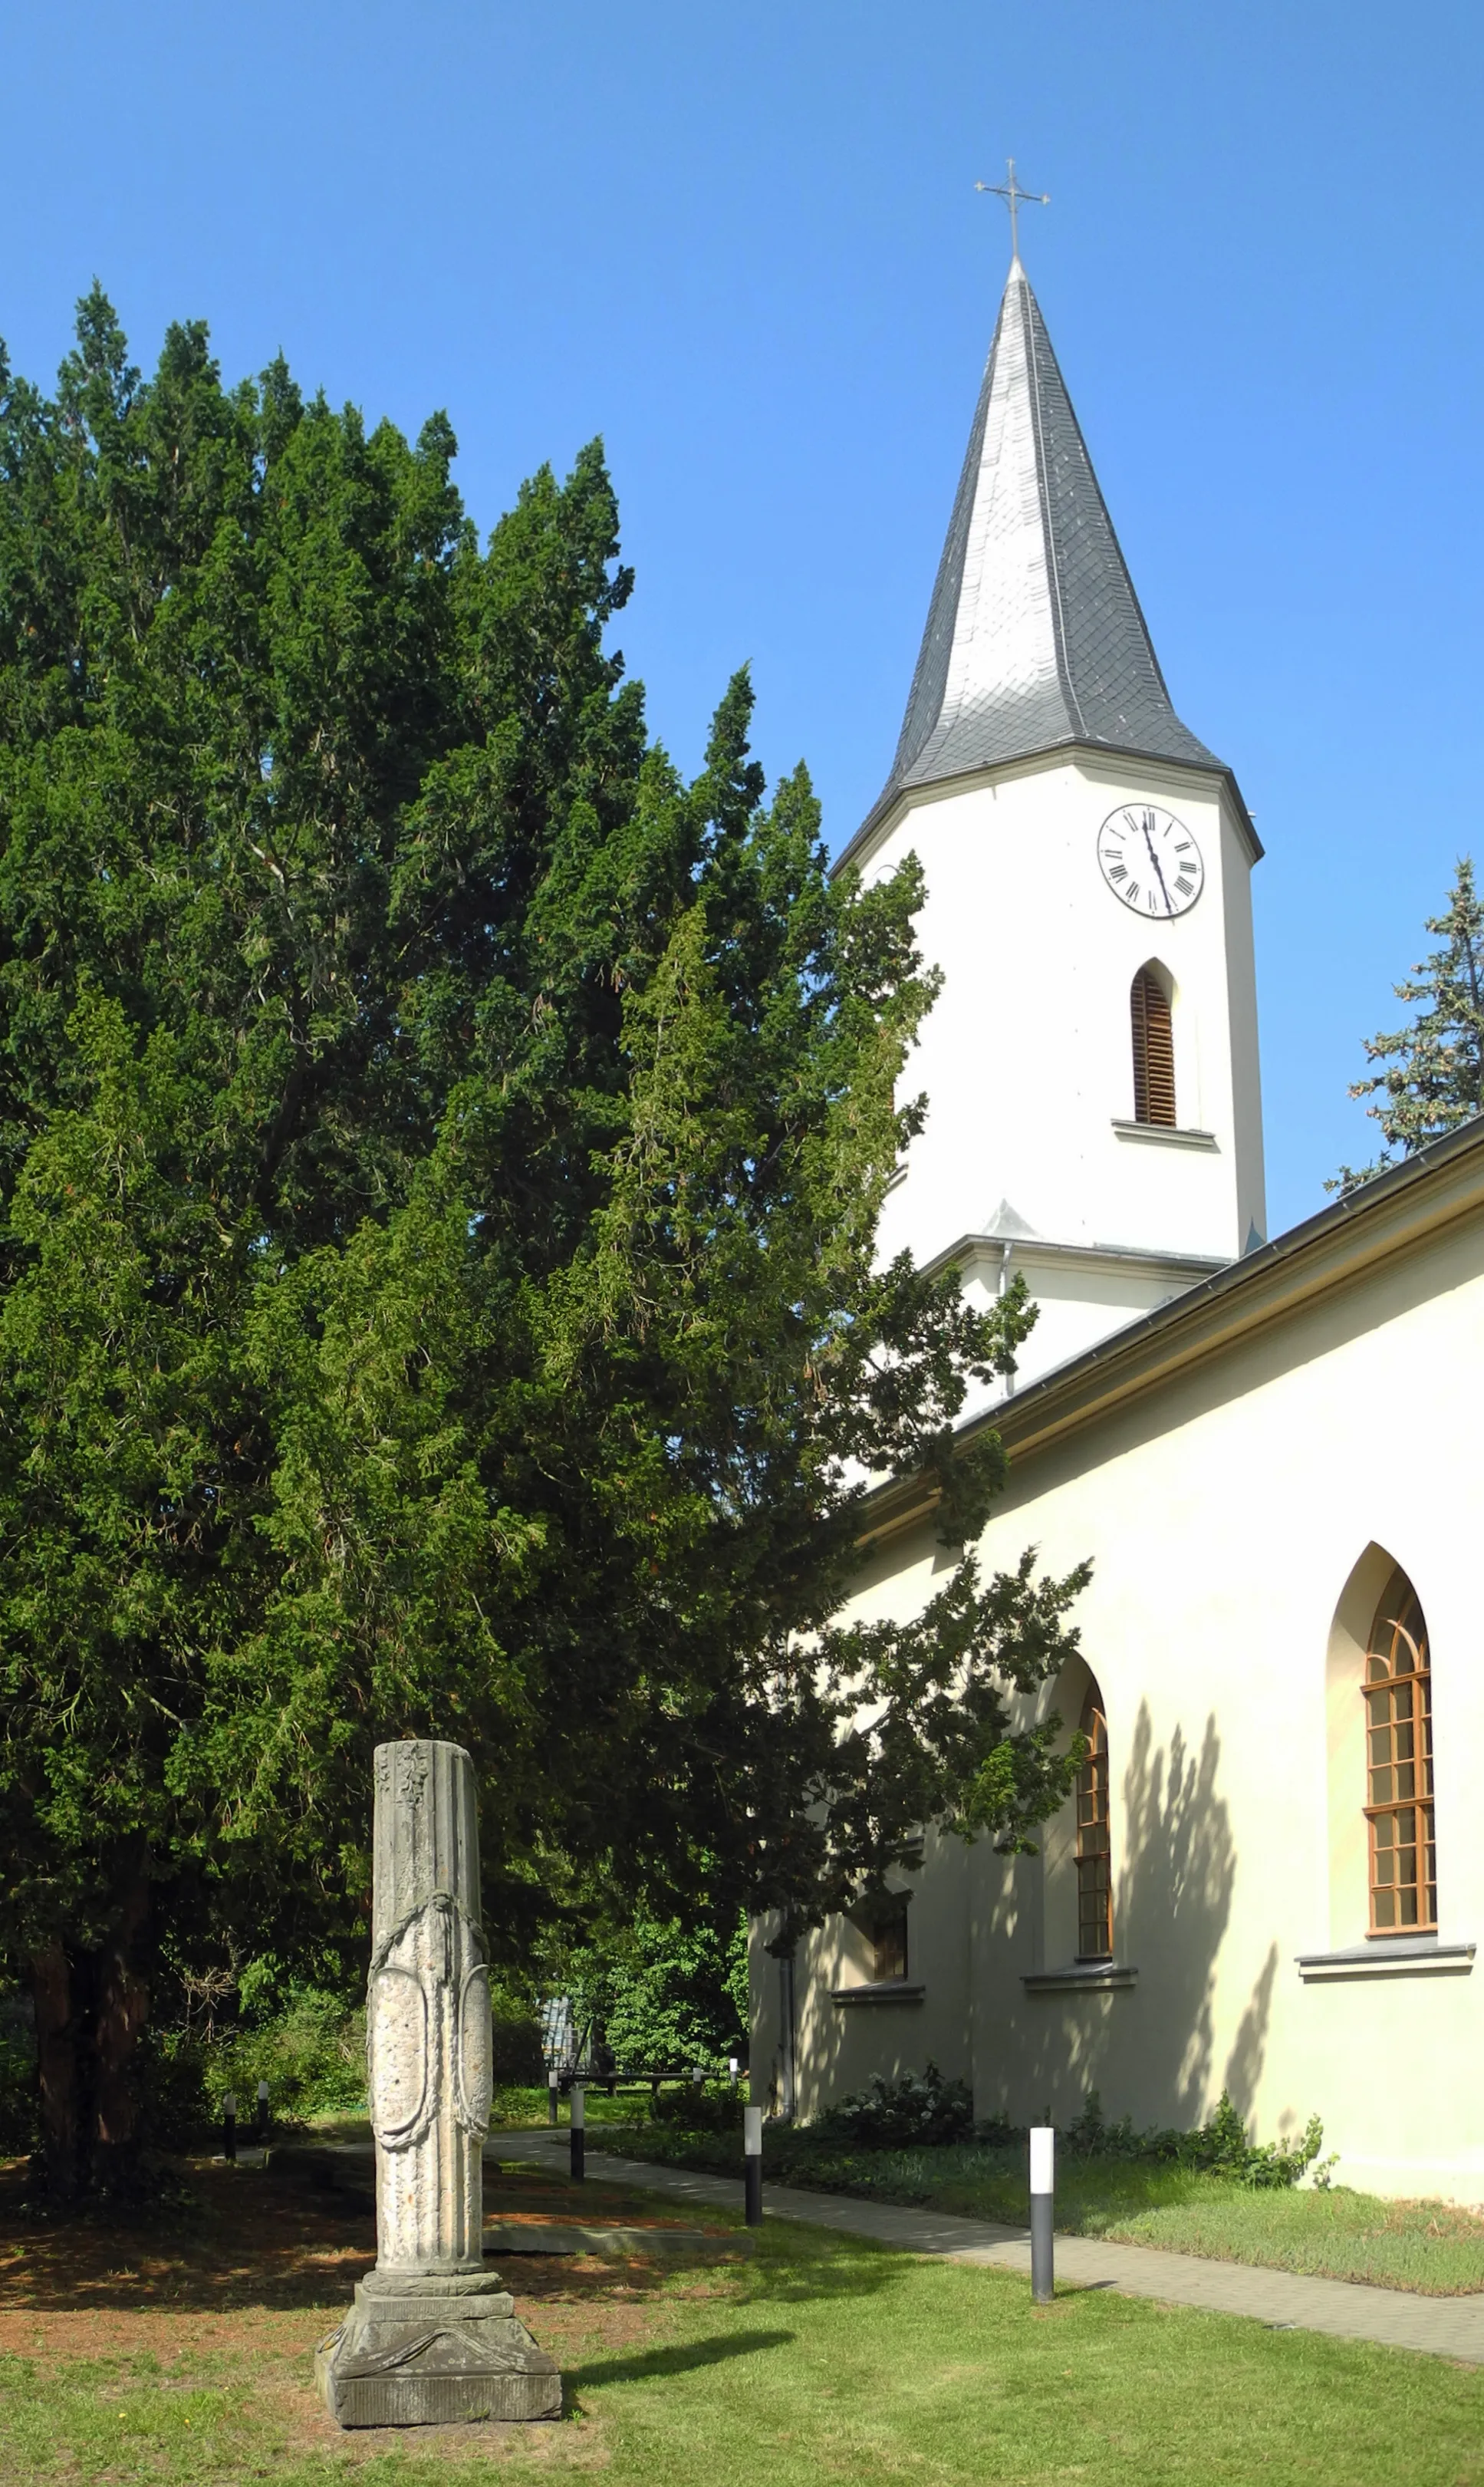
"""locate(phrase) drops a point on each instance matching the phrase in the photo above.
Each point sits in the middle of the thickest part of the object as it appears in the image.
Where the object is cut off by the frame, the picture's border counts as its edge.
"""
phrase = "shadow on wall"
(839, 2049)
(1152, 2051)
(1175, 1890)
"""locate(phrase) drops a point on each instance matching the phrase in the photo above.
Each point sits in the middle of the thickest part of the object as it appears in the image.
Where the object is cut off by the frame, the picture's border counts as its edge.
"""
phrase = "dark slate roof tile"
(1034, 635)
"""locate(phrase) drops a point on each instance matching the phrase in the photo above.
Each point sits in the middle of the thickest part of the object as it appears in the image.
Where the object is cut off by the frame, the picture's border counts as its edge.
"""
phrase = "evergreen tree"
(440, 1154)
(1433, 1077)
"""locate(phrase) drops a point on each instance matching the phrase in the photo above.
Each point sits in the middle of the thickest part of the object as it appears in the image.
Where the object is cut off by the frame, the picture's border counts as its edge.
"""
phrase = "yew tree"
(440, 1156)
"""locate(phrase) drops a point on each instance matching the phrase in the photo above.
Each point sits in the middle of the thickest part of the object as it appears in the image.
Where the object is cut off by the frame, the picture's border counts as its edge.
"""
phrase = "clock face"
(1150, 860)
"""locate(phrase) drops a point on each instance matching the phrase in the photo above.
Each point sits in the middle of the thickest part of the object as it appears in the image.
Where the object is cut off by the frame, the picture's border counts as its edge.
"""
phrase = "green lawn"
(823, 2358)
(1428, 2246)
(516, 2109)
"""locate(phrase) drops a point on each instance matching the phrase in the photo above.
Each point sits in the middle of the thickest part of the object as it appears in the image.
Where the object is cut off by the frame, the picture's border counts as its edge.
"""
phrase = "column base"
(440, 2350)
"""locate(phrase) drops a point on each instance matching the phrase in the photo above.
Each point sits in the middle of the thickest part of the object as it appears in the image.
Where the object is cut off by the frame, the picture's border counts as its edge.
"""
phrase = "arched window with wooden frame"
(1154, 1048)
(1400, 1835)
(1094, 1844)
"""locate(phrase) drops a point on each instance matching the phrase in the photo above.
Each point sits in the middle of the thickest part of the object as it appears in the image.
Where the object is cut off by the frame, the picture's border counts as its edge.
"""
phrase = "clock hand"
(1158, 874)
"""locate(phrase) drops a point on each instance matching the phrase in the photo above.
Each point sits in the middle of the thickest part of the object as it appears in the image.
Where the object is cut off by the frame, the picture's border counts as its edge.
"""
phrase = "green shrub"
(311, 2050)
(1222, 2146)
(691, 2109)
(918, 2106)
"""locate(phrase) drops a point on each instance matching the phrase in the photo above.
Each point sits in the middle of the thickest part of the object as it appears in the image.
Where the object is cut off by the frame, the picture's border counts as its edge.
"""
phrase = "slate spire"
(1034, 634)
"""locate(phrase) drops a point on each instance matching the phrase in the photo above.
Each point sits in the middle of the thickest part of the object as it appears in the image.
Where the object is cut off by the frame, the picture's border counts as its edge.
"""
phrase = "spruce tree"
(440, 1154)
(1433, 1074)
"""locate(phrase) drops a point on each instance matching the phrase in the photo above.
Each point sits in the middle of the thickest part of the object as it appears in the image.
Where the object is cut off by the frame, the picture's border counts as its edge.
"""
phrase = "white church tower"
(1091, 1064)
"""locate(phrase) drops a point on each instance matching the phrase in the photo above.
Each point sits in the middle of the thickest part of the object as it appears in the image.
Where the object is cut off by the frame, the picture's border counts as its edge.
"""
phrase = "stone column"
(433, 2337)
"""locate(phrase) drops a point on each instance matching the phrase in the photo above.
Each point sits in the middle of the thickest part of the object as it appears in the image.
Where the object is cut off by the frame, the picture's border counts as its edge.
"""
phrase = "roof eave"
(896, 797)
(1391, 1214)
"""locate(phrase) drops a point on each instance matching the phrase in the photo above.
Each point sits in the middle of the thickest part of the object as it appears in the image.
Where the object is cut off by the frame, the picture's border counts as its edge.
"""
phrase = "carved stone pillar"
(433, 2337)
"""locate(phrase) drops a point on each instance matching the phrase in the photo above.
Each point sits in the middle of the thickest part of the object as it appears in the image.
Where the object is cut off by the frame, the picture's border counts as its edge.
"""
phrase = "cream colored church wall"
(1078, 1301)
(1227, 1514)
(1026, 1056)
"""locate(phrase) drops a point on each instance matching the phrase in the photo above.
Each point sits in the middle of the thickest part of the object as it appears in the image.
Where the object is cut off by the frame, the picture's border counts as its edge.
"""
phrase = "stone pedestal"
(434, 2351)
(433, 2337)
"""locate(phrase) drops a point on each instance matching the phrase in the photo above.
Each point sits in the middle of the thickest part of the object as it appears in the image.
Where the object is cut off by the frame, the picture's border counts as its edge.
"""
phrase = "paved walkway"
(1444, 2326)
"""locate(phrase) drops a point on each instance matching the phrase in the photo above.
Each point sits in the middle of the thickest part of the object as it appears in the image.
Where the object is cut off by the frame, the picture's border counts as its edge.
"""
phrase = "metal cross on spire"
(1012, 193)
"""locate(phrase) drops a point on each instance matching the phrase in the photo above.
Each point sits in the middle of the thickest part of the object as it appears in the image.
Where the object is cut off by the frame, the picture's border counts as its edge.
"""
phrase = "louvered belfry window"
(1398, 1695)
(1154, 1051)
(1094, 1843)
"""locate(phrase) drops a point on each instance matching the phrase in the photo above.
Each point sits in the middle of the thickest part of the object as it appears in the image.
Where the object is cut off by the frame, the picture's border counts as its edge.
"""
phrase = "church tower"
(1091, 1064)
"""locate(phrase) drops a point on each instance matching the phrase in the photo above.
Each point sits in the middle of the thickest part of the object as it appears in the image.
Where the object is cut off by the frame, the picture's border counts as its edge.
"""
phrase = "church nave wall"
(1242, 1516)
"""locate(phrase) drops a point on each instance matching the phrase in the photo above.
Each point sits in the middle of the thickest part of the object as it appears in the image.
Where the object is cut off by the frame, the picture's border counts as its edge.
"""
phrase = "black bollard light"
(1042, 2191)
(263, 2111)
(553, 2092)
(734, 2067)
(228, 2125)
(752, 2164)
(579, 2134)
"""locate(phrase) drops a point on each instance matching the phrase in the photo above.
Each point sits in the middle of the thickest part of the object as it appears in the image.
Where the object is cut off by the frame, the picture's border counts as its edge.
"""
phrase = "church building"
(1271, 1877)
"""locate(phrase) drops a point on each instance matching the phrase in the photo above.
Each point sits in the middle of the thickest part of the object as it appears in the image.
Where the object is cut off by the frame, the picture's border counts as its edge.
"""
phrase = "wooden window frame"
(889, 1941)
(1094, 1837)
(1153, 1029)
(1392, 1810)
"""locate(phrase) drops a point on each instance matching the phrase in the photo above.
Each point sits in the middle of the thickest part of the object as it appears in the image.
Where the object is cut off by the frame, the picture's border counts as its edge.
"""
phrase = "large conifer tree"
(440, 1152)
(1432, 1076)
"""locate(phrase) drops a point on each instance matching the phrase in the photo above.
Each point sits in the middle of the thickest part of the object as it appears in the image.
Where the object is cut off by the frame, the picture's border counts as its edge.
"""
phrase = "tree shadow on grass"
(680, 2359)
(796, 2265)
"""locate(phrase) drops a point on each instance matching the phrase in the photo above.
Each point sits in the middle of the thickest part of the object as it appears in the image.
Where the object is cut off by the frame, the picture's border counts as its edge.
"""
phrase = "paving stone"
(1442, 2326)
(565, 2237)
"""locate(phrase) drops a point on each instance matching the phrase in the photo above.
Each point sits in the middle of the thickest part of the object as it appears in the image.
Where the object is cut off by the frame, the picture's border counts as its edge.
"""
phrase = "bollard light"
(228, 2125)
(752, 2164)
(263, 2111)
(579, 2134)
(734, 2067)
(553, 2089)
(1042, 2191)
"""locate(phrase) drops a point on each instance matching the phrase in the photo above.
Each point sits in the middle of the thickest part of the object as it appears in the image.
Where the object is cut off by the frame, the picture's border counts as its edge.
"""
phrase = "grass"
(157, 2358)
(1431, 2248)
(518, 2107)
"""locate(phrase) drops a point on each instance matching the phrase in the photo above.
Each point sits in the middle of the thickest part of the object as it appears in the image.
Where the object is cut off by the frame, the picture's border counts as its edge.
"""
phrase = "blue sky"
(744, 245)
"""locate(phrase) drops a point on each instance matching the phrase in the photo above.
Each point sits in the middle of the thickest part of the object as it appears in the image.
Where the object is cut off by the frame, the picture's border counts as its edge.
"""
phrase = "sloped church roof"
(1034, 635)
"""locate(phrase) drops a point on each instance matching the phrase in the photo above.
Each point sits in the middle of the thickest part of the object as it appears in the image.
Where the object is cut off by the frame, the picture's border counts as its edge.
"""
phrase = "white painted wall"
(1026, 1059)
(1226, 1512)
(1080, 1294)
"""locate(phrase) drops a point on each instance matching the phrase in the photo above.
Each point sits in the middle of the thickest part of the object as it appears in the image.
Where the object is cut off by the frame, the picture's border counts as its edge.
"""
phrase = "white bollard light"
(752, 2164)
(1043, 2195)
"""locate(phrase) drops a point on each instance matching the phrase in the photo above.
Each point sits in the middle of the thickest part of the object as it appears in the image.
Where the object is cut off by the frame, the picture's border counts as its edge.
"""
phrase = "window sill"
(1165, 1136)
(1405, 1956)
(886, 1990)
(1093, 1976)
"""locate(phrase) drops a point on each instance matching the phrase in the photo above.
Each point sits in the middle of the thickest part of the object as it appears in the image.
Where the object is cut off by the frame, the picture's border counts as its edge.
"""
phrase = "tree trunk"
(57, 2068)
(121, 2009)
(91, 2007)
